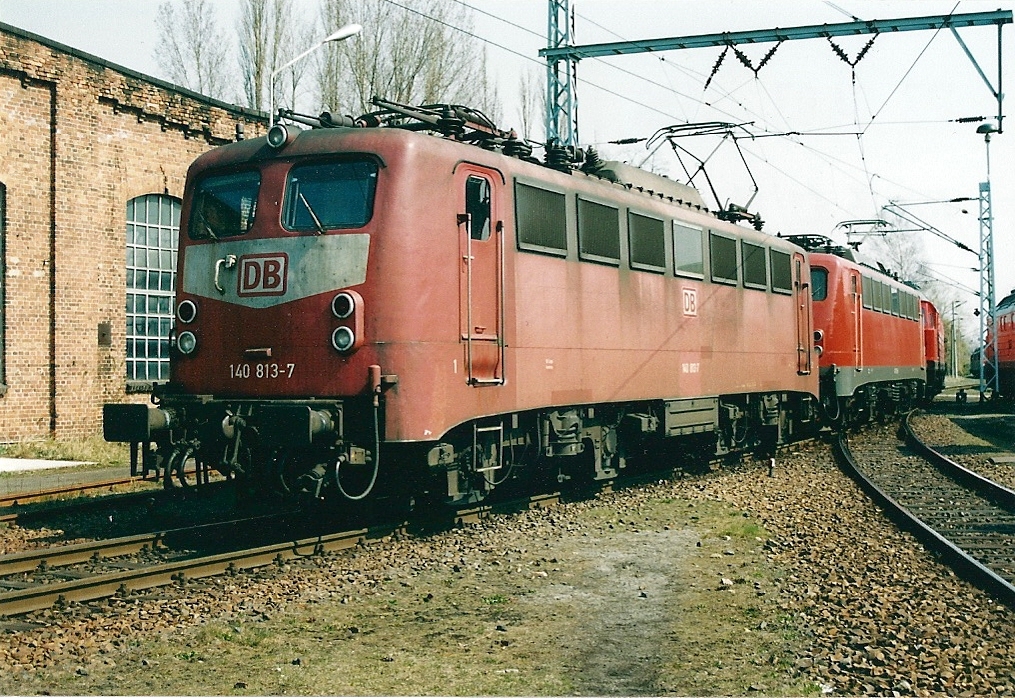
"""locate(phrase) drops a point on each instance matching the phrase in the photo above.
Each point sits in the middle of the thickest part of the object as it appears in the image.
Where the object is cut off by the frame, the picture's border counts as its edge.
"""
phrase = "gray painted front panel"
(315, 264)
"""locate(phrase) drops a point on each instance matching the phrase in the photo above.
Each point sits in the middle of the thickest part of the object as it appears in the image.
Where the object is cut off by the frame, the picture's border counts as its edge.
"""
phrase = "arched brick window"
(153, 225)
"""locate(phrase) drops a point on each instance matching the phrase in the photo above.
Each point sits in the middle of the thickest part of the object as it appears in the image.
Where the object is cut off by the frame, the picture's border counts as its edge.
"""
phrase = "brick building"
(92, 164)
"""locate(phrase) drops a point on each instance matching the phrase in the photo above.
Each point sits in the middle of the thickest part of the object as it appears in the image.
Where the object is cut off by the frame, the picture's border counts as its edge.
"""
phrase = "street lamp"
(340, 35)
(955, 354)
(987, 274)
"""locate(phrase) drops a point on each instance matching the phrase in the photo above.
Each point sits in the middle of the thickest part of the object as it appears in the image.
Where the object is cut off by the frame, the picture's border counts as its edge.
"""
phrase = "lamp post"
(340, 35)
(955, 353)
(987, 276)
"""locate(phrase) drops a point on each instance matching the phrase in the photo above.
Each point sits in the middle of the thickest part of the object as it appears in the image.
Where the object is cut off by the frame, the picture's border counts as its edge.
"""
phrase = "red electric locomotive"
(934, 348)
(412, 299)
(1004, 321)
(868, 328)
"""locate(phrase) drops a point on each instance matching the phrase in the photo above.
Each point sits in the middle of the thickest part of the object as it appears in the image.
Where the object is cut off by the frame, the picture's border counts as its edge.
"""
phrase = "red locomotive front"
(934, 347)
(1004, 321)
(869, 329)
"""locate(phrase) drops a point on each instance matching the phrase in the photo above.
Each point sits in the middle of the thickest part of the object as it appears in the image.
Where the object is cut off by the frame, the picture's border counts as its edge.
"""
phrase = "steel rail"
(76, 553)
(101, 586)
(964, 564)
(18, 498)
(988, 488)
(11, 513)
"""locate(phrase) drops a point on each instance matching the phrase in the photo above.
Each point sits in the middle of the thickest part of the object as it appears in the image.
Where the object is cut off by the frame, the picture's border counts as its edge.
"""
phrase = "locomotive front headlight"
(186, 342)
(187, 312)
(277, 136)
(343, 339)
(343, 305)
(819, 335)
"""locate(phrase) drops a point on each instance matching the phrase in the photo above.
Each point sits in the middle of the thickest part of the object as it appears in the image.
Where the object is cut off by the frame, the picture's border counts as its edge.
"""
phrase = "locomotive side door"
(856, 308)
(481, 243)
(804, 332)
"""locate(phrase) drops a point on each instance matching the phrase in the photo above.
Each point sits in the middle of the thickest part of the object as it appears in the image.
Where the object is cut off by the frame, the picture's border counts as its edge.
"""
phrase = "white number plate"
(261, 370)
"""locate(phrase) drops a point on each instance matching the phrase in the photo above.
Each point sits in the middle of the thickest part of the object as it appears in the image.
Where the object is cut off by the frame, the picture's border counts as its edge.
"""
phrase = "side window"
(867, 292)
(153, 229)
(876, 297)
(755, 265)
(598, 232)
(819, 283)
(782, 272)
(477, 205)
(896, 304)
(541, 217)
(647, 237)
(723, 254)
(688, 255)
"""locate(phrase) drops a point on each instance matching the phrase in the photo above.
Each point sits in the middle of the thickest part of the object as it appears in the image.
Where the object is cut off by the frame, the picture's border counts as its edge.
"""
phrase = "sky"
(862, 137)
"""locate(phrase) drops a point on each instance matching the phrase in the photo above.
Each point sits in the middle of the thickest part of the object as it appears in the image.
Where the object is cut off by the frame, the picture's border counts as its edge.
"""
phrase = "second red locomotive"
(869, 328)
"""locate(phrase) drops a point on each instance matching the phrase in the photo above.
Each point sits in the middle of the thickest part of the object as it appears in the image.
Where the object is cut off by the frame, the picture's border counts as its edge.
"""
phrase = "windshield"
(224, 205)
(328, 195)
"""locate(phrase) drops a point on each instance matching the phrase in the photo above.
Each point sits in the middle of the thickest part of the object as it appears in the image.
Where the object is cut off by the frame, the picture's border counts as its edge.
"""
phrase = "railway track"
(966, 518)
(39, 579)
(37, 504)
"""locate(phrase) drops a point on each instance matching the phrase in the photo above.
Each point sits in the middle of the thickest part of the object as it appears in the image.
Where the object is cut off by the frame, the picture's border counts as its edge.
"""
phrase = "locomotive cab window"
(647, 238)
(329, 195)
(541, 217)
(477, 206)
(224, 205)
(819, 283)
(688, 255)
(782, 272)
(598, 232)
(755, 265)
(723, 256)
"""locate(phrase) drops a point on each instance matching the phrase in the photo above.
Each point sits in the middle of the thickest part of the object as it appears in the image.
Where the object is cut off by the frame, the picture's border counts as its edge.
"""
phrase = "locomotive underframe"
(290, 447)
(586, 443)
(316, 448)
(854, 396)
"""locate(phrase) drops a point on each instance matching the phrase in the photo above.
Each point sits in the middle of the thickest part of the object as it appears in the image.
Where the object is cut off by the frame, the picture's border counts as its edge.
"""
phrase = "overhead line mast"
(561, 103)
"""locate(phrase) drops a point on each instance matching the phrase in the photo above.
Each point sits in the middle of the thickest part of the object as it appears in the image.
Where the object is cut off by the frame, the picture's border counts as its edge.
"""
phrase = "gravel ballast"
(739, 581)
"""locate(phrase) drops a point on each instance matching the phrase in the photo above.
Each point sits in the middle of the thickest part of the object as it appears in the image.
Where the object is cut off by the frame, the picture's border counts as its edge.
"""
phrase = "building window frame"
(153, 235)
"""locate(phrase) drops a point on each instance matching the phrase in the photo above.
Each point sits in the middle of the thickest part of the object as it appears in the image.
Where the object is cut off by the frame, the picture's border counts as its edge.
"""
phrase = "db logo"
(690, 302)
(262, 274)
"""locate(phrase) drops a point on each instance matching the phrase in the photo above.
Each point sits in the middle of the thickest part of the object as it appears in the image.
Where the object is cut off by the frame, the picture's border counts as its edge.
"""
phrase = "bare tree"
(255, 49)
(269, 32)
(531, 104)
(192, 49)
(416, 51)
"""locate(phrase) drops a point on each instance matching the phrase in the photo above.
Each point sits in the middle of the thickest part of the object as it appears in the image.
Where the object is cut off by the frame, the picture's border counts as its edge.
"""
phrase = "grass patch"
(93, 449)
